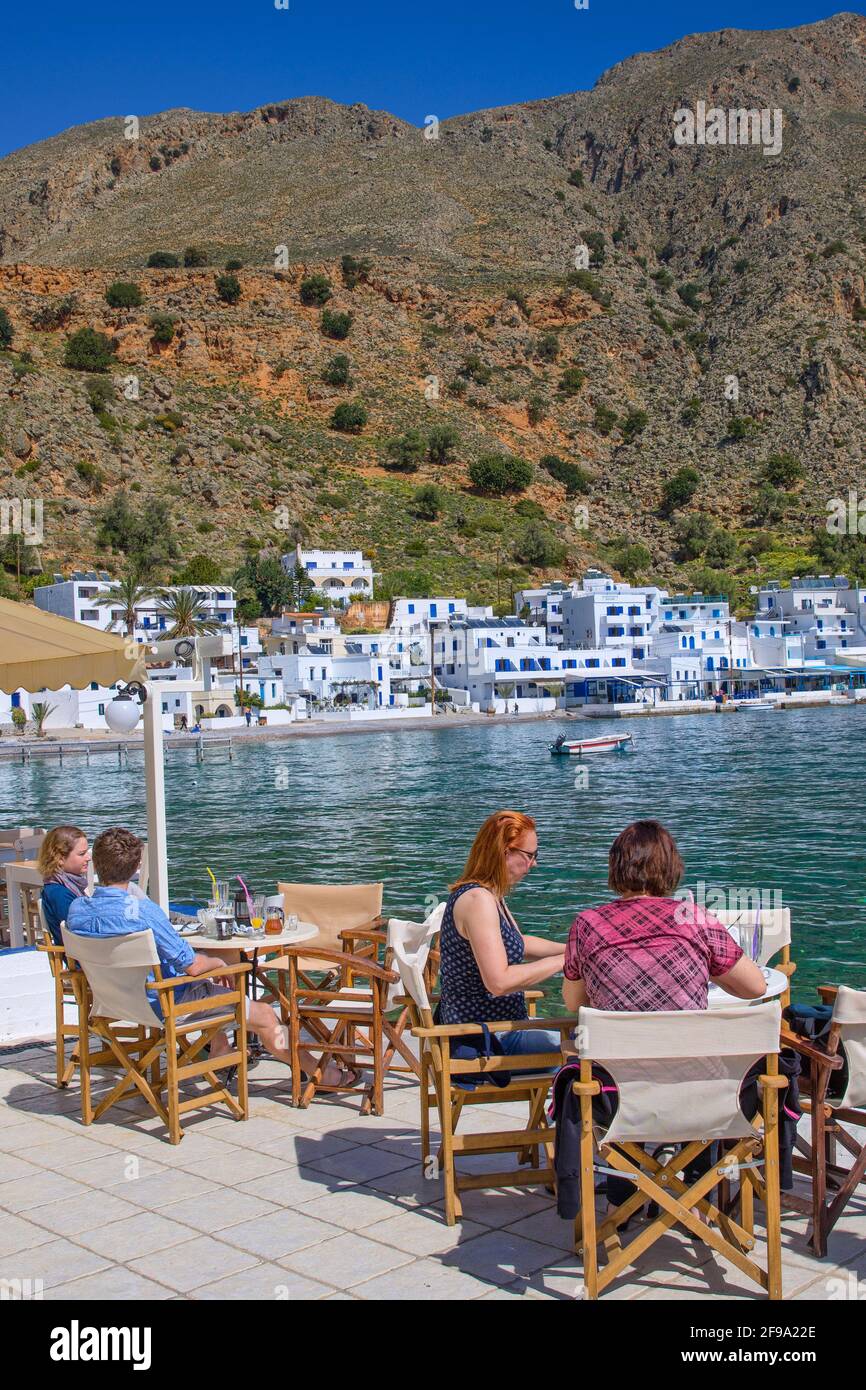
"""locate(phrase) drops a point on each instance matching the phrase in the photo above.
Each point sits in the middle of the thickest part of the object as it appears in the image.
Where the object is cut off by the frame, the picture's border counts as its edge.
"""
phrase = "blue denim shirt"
(114, 912)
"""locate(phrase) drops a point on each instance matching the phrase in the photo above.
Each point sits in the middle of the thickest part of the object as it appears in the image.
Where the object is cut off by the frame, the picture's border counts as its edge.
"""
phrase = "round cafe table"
(251, 946)
(777, 983)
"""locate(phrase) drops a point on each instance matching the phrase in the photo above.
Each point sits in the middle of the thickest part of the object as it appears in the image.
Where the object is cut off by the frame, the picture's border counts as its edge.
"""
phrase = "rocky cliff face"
(724, 298)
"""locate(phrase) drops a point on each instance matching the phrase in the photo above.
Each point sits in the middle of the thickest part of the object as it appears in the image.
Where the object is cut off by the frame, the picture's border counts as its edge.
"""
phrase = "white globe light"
(121, 715)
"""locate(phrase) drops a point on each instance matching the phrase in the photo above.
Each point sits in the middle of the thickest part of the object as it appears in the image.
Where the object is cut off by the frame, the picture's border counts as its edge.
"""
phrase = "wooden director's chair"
(440, 1092)
(678, 1075)
(119, 970)
(833, 1092)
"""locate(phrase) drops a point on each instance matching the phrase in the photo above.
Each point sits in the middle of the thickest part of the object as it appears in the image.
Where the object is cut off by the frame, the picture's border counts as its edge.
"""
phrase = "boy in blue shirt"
(114, 911)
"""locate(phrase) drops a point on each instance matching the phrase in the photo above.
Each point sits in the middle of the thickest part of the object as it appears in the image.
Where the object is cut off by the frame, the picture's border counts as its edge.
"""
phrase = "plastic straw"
(247, 894)
(213, 881)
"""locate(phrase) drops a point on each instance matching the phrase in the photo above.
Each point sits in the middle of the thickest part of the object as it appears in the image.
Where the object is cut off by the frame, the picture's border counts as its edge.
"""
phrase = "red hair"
(486, 862)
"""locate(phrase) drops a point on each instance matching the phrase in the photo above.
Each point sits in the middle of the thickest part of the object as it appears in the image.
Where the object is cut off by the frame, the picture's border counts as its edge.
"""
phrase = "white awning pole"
(154, 775)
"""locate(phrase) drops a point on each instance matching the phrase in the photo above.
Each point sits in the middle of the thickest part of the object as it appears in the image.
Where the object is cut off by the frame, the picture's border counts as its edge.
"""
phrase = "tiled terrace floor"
(306, 1204)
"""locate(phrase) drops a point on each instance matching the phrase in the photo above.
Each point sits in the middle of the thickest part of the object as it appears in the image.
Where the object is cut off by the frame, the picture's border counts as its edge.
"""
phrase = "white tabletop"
(777, 983)
(304, 931)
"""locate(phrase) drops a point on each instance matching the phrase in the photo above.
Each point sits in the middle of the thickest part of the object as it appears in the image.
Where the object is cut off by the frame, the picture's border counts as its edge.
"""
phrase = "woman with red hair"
(486, 962)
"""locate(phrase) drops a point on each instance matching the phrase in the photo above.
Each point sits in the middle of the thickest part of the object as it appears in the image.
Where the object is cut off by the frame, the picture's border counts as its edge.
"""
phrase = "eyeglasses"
(531, 858)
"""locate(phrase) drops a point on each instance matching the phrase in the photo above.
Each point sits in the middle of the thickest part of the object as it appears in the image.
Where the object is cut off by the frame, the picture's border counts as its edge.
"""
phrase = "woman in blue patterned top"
(486, 962)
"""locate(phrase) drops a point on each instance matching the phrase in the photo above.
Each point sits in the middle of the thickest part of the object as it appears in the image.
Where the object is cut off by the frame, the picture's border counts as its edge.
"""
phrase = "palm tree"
(186, 609)
(40, 712)
(126, 598)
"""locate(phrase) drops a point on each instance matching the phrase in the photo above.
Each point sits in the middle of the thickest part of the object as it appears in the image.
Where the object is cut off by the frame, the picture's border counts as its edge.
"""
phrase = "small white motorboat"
(579, 747)
(756, 704)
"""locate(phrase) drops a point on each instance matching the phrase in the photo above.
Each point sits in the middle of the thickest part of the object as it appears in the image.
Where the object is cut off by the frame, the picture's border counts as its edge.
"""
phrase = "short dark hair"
(116, 855)
(643, 859)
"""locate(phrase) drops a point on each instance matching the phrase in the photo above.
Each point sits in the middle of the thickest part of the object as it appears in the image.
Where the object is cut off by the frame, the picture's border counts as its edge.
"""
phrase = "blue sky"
(69, 61)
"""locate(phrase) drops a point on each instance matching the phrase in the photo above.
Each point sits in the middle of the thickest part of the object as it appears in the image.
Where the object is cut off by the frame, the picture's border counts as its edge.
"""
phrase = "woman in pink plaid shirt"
(648, 950)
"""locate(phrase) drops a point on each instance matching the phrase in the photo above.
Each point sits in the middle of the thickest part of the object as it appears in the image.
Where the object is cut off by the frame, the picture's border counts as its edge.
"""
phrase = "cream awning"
(40, 651)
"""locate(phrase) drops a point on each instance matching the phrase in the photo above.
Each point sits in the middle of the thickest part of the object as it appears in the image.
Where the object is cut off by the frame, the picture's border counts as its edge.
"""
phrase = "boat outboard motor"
(560, 740)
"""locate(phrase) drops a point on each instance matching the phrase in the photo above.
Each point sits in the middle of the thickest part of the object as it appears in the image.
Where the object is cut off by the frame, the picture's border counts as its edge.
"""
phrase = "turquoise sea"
(770, 801)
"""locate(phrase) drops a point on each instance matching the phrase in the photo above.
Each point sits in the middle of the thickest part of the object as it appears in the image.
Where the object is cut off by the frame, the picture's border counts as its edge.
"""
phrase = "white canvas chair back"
(679, 1073)
(775, 927)
(117, 969)
(411, 943)
(849, 1011)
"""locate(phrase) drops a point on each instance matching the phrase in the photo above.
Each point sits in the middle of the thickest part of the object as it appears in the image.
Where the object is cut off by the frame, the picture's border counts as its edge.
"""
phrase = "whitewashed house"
(343, 575)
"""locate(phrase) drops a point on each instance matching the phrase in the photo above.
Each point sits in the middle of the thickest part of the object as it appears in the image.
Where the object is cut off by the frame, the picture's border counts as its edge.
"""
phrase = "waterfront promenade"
(310, 1204)
(96, 740)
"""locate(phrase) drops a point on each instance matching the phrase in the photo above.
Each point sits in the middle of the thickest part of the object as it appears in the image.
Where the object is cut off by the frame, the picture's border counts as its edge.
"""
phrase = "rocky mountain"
(558, 278)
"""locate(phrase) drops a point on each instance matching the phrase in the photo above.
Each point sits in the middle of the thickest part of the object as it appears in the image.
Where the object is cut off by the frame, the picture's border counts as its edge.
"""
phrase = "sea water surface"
(770, 801)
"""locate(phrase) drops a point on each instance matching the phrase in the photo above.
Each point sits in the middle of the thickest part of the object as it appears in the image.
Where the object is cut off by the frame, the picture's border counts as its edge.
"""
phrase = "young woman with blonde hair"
(63, 859)
(486, 962)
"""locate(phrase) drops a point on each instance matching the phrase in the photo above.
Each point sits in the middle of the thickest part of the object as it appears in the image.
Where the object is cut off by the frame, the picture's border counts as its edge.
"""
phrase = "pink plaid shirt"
(643, 954)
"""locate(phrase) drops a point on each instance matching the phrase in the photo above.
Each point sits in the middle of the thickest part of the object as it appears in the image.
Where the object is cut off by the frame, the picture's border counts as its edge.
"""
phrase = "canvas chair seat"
(333, 908)
(347, 1003)
(678, 1076)
(119, 971)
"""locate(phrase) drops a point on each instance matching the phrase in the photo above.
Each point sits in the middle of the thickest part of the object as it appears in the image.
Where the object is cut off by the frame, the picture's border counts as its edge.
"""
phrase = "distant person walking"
(248, 716)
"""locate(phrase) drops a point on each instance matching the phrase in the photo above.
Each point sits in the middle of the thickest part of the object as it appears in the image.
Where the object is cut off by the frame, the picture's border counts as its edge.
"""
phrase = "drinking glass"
(223, 893)
(258, 914)
(751, 938)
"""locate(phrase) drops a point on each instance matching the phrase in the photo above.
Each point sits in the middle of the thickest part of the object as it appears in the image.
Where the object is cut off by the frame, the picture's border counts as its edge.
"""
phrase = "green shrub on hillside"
(576, 178)
(89, 351)
(547, 347)
(536, 546)
(336, 324)
(228, 287)
(692, 534)
(574, 478)
(679, 490)
(690, 295)
(571, 381)
(163, 328)
(441, 443)
(781, 470)
(7, 332)
(589, 284)
(500, 473)
(163, 260)
(194, 256)
(595, 242)
(315, 289)
(406, 451)
(123, 294)
(475, 369)
(49, 317)
(604, 419)
(337, 372)
(354, 270)
(350, 417)
(428, 501)
(633, 424)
